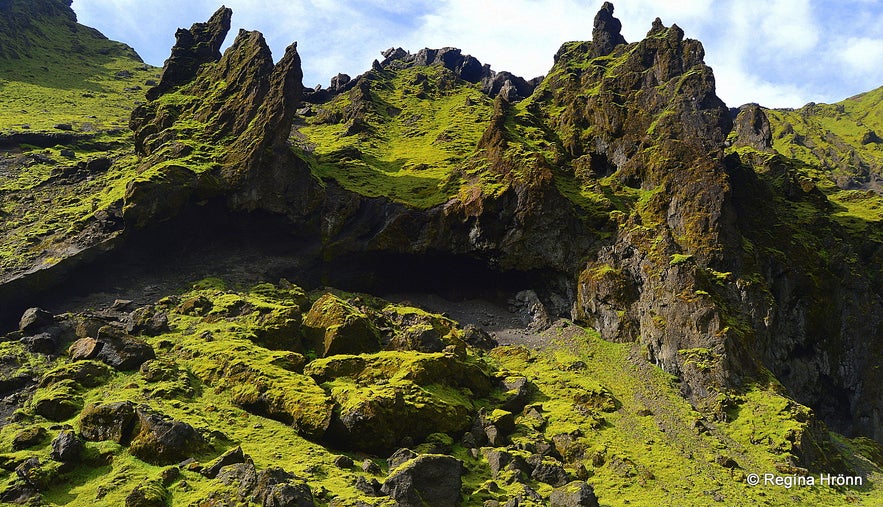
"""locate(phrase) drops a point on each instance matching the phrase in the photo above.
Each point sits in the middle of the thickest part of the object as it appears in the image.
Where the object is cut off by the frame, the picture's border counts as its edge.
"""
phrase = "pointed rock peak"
(213, 32)
(194, 47)
(657, 28)
(675, 33)
(606, 32)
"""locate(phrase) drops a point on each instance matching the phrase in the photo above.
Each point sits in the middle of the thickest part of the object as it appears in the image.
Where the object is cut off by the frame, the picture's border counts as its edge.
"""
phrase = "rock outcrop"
(199, 45)
(465, 67)
(238, 107)
(606, 31)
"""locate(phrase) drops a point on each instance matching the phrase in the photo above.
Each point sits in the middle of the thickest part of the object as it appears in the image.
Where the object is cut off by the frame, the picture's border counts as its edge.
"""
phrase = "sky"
(779, 53)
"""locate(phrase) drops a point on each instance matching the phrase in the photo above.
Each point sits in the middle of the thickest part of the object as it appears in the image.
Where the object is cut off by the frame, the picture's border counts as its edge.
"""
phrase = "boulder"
(278, 488)
(368, 487)
(58, 402)
(84, 373)
(517, 393)
(426, 480)
(122, 351)
(343, 462)
(148, 494)
(369, 467)
(230, 457)
(242, 476)
(40, 343)
(387, 398)
(549, 472)
(500, 460)
(34, 320)
(415, 329)
(84, 348)
(478, 337)
(28, 437)
(147, 320)
(574, 494)
(333, 326)
(400, 457)
(108, 421)
(163, 441)
(67, 447)
(33, 473)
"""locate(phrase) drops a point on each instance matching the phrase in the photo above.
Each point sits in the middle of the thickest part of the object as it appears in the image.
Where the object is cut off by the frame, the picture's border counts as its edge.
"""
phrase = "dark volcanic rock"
(160, 440)
(35, 320)
(67, 447)
(242, 475)
(574, 494)
(108, 421)
(278, 488)
(606, 31)
(199, 45)
(753, 128)
(230, 457)
(122, 351)
(426, 480)
(400, 457)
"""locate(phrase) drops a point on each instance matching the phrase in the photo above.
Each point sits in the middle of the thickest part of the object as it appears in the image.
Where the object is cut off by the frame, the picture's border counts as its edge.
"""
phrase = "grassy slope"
(420, 129)
(70, 75)
(635, 436)
(825, 141)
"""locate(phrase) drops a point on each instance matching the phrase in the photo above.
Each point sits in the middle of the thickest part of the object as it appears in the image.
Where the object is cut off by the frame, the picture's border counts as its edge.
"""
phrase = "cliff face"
(642, 120)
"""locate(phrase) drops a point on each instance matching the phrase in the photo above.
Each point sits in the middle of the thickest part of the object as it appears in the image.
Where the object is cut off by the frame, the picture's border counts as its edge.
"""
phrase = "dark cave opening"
(245, 248)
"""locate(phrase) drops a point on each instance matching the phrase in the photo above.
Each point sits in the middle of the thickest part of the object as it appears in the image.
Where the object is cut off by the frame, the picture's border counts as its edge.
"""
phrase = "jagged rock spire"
(198, 45)
(606, 31)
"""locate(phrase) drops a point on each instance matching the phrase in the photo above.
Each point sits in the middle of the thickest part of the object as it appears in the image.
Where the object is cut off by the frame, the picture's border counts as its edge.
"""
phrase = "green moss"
(677, 259)
(420, 142)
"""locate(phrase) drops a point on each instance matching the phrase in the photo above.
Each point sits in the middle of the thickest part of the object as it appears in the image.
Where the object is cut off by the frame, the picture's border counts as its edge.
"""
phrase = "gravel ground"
(505, 321)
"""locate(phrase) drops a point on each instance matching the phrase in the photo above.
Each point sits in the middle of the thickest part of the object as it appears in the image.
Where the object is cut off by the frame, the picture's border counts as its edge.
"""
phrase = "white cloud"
(788, 25)
(739, 87)
(863, 57)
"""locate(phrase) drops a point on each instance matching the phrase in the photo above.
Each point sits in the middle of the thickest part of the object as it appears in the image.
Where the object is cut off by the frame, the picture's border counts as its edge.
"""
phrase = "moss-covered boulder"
(333, 326)
(58, 402)
(279, 328)
(28, 437)
(386, 399)
(416, 329)
(148, 494)
(84, 373)
(574, 494)
(160, 440)
(426, 480)
(275, 486)
(263, 387)
(108, 421)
